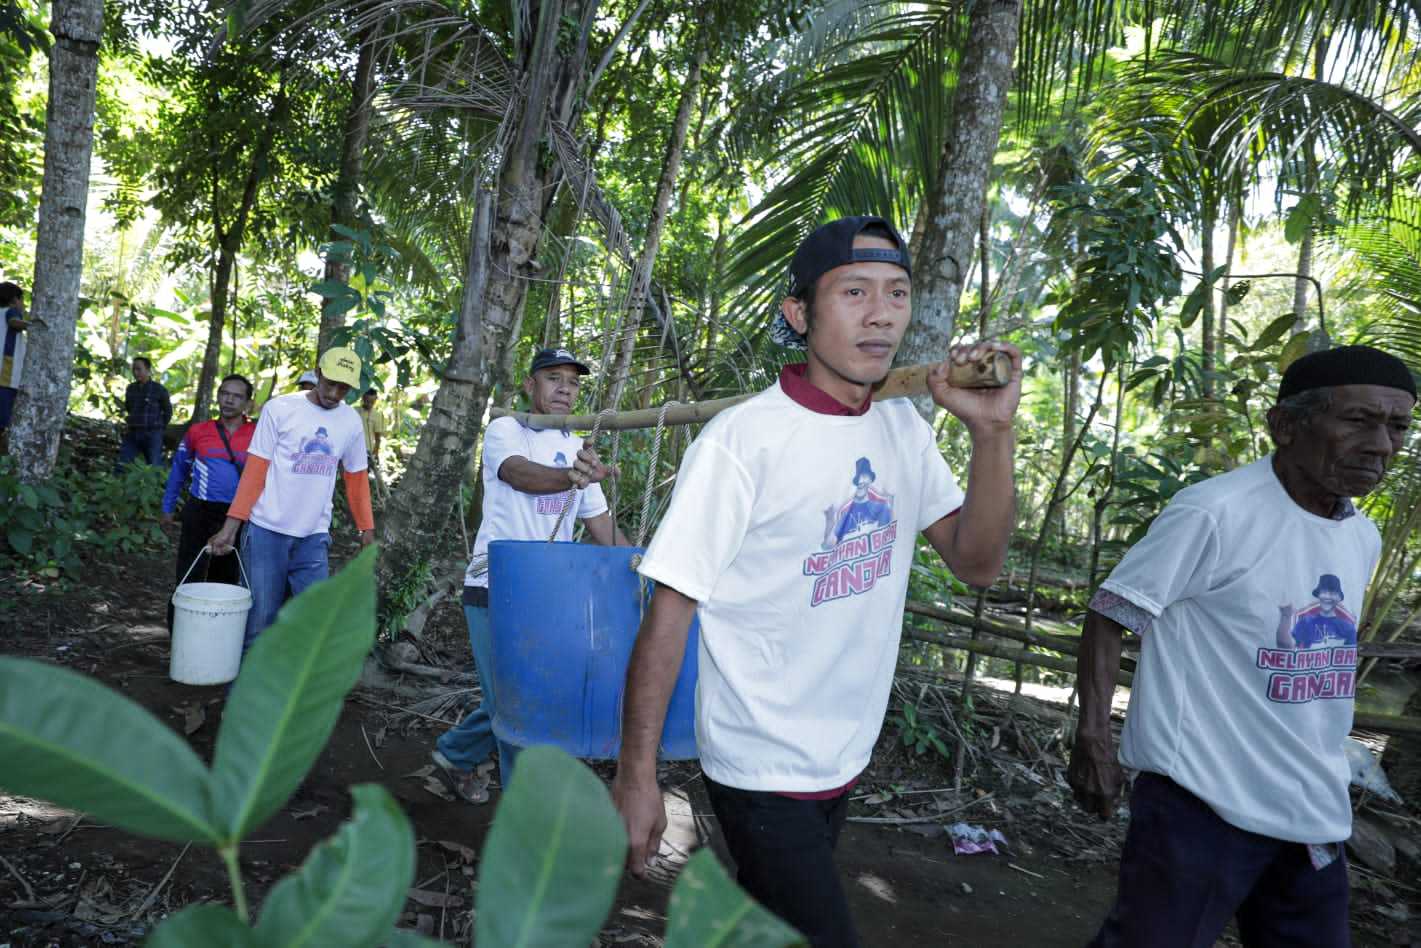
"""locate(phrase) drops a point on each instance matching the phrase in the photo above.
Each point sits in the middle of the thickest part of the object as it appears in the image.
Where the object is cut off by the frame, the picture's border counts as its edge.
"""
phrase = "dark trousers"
(1184, 873)
(146, 443)
(784, 857)
(200, 520)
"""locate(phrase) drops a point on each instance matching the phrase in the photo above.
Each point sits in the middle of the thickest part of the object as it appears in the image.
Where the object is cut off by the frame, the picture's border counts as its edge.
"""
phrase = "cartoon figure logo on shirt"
(550, 505)
(1316, 653)
(857, 546)
(317, 455)
(1324, 623)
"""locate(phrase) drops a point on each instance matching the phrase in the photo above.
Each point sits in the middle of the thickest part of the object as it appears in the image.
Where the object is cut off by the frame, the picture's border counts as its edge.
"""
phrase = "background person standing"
(12, 352)
(209, 463)
(374, 424)
(147, 409)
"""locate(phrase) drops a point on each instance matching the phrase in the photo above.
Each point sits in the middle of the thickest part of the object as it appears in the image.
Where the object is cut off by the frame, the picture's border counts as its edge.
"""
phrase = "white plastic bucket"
(209, 623)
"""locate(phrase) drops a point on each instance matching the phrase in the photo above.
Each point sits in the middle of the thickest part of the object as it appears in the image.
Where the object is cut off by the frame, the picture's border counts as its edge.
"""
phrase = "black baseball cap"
(832, 245)
(547, 358)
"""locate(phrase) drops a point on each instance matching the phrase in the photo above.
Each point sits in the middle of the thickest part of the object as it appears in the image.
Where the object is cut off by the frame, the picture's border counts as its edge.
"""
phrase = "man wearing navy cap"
(791, 535)
(527, 473)
(1241, 701)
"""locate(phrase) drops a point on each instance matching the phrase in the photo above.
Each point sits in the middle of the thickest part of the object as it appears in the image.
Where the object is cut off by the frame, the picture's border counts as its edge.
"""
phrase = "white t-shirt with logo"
(510, 514)
(795, 532)
(1239, 701)
(304, 444)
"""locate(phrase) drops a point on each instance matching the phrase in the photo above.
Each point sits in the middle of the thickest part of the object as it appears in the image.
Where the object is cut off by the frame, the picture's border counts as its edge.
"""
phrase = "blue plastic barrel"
(564, 617)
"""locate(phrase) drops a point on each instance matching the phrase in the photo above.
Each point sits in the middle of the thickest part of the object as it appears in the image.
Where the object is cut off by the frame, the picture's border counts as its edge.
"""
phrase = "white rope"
(651, 473)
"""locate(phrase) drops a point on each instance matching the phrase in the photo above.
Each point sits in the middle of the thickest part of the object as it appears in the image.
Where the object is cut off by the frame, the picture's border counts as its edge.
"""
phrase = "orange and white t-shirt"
(305, 445)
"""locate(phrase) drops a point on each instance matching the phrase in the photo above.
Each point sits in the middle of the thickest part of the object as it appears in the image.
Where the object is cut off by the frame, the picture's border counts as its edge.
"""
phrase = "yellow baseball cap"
(341, 365)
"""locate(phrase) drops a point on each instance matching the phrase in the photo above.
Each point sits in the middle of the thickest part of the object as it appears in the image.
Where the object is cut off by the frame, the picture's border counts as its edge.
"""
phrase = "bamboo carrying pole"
(992, 372)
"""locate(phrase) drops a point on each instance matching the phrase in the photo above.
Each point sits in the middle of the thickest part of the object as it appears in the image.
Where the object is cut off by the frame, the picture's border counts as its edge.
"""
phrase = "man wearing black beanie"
(1243, 694)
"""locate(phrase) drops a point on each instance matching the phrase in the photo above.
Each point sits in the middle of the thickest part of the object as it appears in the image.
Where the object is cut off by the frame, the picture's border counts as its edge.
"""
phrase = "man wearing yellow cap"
(286, 487)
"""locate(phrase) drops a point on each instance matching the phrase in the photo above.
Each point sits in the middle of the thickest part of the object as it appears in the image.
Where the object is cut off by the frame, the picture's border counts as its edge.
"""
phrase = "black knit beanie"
(1346, 365)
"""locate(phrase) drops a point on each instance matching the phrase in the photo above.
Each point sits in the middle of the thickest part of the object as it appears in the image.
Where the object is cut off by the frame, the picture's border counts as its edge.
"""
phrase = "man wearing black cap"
(527, 473)
(1240, 704)
(790, 535)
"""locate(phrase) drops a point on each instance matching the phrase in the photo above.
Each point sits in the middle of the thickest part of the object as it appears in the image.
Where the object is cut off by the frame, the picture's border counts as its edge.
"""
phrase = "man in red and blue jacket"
(211, 456)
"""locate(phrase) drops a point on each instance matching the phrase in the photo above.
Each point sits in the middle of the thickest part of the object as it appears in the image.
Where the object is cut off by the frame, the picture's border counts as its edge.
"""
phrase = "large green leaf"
(289, 695)
(211, 926)
(708, 910)
(553, 858)
(68, 739)
(349, 891)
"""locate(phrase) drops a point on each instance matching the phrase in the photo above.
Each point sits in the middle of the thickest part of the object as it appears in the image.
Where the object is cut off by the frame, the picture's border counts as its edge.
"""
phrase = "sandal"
(469, 786)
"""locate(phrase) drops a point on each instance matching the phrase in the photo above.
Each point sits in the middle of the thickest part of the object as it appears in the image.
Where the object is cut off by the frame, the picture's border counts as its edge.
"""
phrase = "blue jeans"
(1184, 873)
(141, 442)
(275, 564)
(467, 744)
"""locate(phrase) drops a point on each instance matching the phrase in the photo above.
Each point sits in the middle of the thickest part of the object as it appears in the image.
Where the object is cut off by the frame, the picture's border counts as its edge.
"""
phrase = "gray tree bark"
(1206, 315)
(945, 253)
(1302, 284)
(43, 401)
(352, 168)
(503, 245)
(641, 276)
(1221, 354)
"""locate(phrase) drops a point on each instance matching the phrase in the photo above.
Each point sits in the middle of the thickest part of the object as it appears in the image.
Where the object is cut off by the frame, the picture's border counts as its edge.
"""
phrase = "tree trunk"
(1302, 284)
(1097, 520)
(641, 275)
(229, 244)
(945, 254)
(713, 294)
(1206, 312)
(1070, 383)
(1235, 212)
(352, 168)
(503, 246)
(43, 401)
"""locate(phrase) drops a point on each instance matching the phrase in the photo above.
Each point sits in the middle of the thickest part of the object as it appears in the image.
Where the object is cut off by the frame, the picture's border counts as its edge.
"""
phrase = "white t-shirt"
(303, 443)
(1250, 724)
(795, 532)
(510, 514)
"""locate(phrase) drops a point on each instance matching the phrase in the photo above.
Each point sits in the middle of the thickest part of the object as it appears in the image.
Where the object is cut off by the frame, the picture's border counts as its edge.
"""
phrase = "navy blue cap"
(548, 358)
(832, 245)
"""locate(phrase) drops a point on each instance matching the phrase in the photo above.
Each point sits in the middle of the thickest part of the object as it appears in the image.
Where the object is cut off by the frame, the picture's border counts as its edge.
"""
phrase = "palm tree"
(858, 102)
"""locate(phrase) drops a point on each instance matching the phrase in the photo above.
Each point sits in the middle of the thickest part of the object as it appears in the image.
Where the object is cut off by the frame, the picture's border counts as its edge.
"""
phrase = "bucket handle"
(204, 552)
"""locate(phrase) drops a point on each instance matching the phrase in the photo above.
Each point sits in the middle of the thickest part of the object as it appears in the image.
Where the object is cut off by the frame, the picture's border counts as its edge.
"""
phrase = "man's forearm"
(531, 478)
(989, 510)
(651, 677)
(1096, 668)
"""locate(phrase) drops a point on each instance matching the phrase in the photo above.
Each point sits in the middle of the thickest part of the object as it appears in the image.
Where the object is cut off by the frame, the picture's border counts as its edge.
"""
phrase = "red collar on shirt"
(811, 396)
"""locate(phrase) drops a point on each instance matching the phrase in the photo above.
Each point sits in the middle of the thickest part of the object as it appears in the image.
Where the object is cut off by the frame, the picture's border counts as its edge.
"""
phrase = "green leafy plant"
(551, 863)
(554, 857)
(917, 734)
(68, 739)
(49, 527)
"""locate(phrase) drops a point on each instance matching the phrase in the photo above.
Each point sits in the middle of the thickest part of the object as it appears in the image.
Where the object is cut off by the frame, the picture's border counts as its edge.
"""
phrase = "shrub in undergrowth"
(51, 527)
(549, 870)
